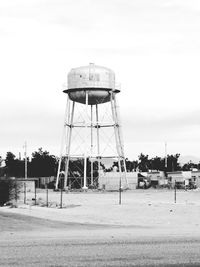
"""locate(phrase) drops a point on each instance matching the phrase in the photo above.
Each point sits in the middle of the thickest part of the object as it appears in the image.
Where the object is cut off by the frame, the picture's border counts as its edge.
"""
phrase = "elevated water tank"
(96, 80)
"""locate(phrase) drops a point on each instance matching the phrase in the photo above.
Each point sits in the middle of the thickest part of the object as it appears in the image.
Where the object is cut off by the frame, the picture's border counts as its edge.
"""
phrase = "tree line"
(43, 164)
(169, 164)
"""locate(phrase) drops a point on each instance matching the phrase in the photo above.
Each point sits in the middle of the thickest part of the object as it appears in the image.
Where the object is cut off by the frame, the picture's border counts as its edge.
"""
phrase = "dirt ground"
(151, 212)
(92, 229)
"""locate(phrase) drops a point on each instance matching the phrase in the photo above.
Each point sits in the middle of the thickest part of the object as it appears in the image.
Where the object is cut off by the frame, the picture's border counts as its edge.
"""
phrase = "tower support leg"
(98, 140)
(69, 136)
(118, 138)
(85, 152)
(66, 121)
(91, 152)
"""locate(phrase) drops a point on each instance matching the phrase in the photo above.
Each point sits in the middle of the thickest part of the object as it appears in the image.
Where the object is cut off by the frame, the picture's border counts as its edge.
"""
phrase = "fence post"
(24, 192)
(35, 193)
(16, 191)
(47, 200)
(175, 192)
(61, 197)
(120, 191)
(61, 192)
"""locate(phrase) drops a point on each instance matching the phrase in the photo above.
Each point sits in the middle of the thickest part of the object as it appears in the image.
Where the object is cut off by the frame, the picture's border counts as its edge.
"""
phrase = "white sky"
(152, 45)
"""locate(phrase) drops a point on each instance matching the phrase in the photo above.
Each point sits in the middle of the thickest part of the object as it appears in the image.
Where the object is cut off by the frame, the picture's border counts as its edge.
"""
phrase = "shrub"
(9, 191)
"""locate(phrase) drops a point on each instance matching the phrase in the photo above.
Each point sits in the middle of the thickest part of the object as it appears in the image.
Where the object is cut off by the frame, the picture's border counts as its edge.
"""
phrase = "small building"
(183, 179)
(17, 188)
(111, 180)
(29, 184)
(43, 181)
(196, 177)
(157, 178)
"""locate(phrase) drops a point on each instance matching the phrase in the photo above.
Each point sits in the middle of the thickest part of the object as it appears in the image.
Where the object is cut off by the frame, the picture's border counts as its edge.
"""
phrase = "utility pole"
(25, 156)
(166, 155)
(25, 169)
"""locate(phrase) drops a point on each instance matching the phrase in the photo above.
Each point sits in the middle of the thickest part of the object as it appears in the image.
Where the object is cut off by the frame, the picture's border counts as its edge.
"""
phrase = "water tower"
(91, 92)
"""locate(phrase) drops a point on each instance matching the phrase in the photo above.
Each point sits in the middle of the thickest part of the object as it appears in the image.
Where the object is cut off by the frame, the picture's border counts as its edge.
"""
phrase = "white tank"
(97, 80)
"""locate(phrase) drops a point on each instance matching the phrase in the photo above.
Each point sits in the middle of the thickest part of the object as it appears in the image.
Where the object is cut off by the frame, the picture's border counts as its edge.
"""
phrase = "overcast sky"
(153, 46)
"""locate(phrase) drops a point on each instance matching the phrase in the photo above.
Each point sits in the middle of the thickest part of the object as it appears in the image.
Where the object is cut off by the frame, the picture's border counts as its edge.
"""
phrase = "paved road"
(18, 249)
(64, 252)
